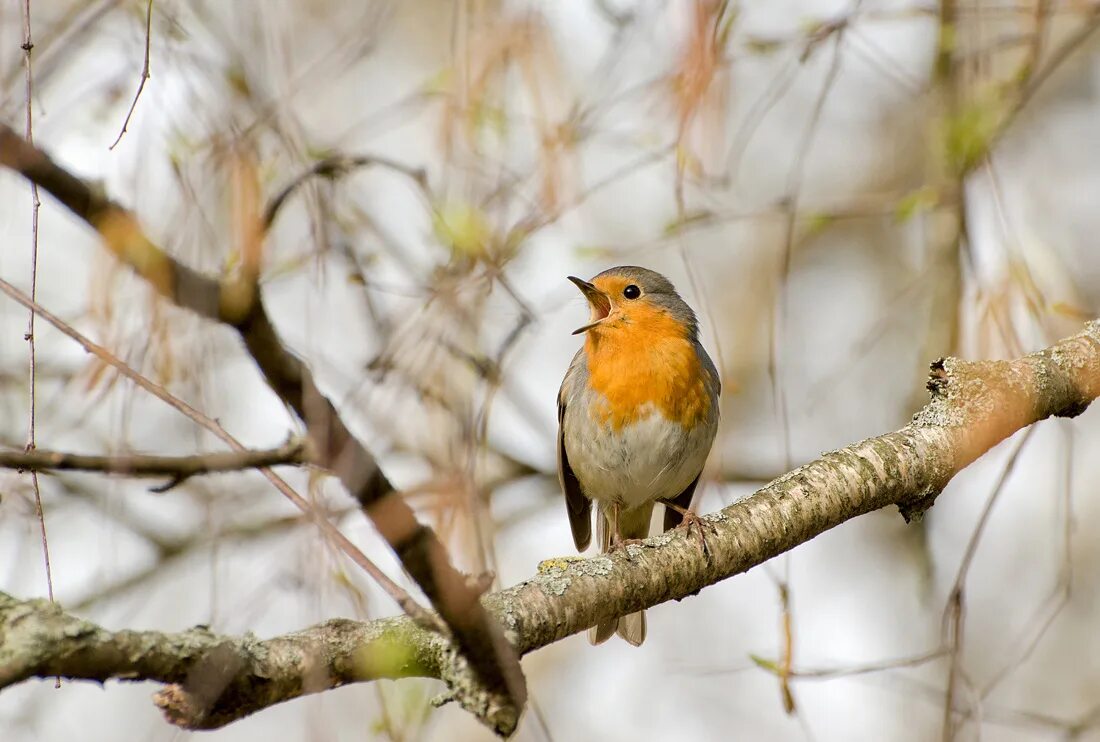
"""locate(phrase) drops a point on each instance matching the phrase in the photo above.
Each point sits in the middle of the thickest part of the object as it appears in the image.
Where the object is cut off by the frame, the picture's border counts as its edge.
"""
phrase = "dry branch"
(212, 680)
(177, 468)
(501, 685)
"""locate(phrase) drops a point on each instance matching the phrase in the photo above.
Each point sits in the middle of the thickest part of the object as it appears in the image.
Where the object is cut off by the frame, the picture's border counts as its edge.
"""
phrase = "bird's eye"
(632, 292)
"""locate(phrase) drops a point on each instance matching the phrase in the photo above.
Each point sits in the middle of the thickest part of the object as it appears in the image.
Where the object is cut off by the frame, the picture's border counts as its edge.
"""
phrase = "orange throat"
(646, 365)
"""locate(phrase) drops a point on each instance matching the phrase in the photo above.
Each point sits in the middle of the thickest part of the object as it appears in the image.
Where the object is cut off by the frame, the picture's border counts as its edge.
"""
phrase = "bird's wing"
(577, 505)
(714, 387)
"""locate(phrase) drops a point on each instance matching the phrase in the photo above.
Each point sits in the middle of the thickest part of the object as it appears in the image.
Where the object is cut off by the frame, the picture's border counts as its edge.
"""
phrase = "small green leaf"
(463, 227)
(817, 221)
(969, 133)
(592, 252)
(440, 82)
(762, 45)
(764, 663)
(915, 202)
(690, 217)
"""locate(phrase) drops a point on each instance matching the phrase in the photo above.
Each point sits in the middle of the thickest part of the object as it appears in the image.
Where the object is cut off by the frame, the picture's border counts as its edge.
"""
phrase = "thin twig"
(335, 167)
(400, 596)
(955, 610)
(144, 465)
(777, 336)
(36, 203)
(144, 73)
(171, 551)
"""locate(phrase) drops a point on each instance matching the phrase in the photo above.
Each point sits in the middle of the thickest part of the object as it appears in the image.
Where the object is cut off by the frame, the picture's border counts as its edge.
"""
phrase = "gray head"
(630, 295)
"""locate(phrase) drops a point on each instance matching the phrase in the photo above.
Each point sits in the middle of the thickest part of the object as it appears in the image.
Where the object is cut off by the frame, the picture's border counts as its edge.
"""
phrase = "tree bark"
(212, 680)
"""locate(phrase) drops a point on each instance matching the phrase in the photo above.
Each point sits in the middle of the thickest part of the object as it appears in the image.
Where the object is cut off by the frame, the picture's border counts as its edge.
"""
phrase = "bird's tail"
(632, 524)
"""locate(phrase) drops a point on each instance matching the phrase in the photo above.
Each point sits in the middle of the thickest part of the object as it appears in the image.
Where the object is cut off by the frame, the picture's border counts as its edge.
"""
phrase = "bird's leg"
(617, 540)
(694, 522)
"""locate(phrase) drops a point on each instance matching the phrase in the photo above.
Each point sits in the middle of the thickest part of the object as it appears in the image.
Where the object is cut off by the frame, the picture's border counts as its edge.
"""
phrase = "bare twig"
(778, 334)
(32, 381)
(830, 673)
(143, 465)
(171, 551)
(334, 167)
(400, 596)
(955, 611)
(502, 690)
(144, 73)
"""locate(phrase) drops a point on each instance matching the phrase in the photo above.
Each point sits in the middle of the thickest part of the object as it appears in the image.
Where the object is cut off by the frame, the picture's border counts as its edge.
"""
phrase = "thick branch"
(478, 637)
(974, 406)
(212, 680)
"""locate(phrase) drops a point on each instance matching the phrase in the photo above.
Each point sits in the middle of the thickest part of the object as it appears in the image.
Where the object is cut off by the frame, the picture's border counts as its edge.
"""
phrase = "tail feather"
(601, 632)
(632, 628)
(633, 524)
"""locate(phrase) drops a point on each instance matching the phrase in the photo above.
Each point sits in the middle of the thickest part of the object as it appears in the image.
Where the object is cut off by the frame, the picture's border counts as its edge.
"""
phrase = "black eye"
(632, 292)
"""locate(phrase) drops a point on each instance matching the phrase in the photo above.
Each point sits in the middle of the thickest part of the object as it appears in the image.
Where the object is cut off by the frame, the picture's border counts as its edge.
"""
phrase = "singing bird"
(637, 415)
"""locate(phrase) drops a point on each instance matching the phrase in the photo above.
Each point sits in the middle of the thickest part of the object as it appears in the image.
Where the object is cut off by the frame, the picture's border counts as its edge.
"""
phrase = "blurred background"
(844, 191)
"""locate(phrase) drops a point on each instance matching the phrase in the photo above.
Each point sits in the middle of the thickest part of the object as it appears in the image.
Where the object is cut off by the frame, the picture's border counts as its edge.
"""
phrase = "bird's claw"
(618, 543)
(698, 525)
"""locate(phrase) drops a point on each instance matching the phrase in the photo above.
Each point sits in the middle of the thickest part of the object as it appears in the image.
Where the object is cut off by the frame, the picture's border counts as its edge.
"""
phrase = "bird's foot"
(618, 542)
(695, 524)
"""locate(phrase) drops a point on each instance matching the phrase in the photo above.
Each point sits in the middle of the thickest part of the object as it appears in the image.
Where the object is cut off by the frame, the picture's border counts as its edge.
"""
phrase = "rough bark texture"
(213, 680)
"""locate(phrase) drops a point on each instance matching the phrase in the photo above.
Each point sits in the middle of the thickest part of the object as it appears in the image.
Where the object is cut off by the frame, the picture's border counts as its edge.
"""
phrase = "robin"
(637, 414)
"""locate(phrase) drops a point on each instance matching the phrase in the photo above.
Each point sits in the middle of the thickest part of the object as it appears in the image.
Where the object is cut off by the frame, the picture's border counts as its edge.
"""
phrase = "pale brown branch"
(145, 465)
(210, 680)
(213, 680)
(502, 692)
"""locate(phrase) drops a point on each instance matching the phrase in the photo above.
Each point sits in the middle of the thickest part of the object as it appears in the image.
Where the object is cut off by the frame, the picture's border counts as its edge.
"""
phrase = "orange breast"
(646, 364)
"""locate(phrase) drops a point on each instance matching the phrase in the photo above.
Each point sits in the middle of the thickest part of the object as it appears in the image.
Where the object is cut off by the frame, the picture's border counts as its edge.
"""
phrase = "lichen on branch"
(212, 680)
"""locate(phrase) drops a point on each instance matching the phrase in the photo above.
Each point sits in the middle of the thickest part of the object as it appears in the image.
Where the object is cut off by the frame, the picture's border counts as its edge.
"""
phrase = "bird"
(637, 416)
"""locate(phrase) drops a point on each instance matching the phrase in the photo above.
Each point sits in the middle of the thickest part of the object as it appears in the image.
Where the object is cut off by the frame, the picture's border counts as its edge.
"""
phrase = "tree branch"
(178, 468)
(336, 166)
(213, 680)
(503, 690)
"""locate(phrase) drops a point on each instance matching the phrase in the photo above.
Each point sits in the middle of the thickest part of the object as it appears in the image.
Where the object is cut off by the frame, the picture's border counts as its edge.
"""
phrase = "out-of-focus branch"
(213, 680)
(178, 468)
(334, 167)
(501, 688)
(144, 74)
(327, 529)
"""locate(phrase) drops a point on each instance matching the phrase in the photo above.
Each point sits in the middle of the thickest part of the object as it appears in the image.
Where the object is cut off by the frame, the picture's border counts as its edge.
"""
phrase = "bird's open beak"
(598, 300)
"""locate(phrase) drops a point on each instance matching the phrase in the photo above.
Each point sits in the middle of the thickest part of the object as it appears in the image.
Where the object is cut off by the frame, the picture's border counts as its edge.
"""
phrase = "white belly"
(648, 460)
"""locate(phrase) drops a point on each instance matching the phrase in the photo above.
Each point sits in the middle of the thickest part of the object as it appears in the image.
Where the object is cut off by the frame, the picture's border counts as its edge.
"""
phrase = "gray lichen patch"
(555, 575)
(935, 414)
(599, 566)
(492, 709)
(553, 581)
(660, 540)
(79, 630)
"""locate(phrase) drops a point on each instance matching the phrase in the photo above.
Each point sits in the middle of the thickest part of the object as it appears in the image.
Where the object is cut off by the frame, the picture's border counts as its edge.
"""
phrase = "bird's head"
(633, 299)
